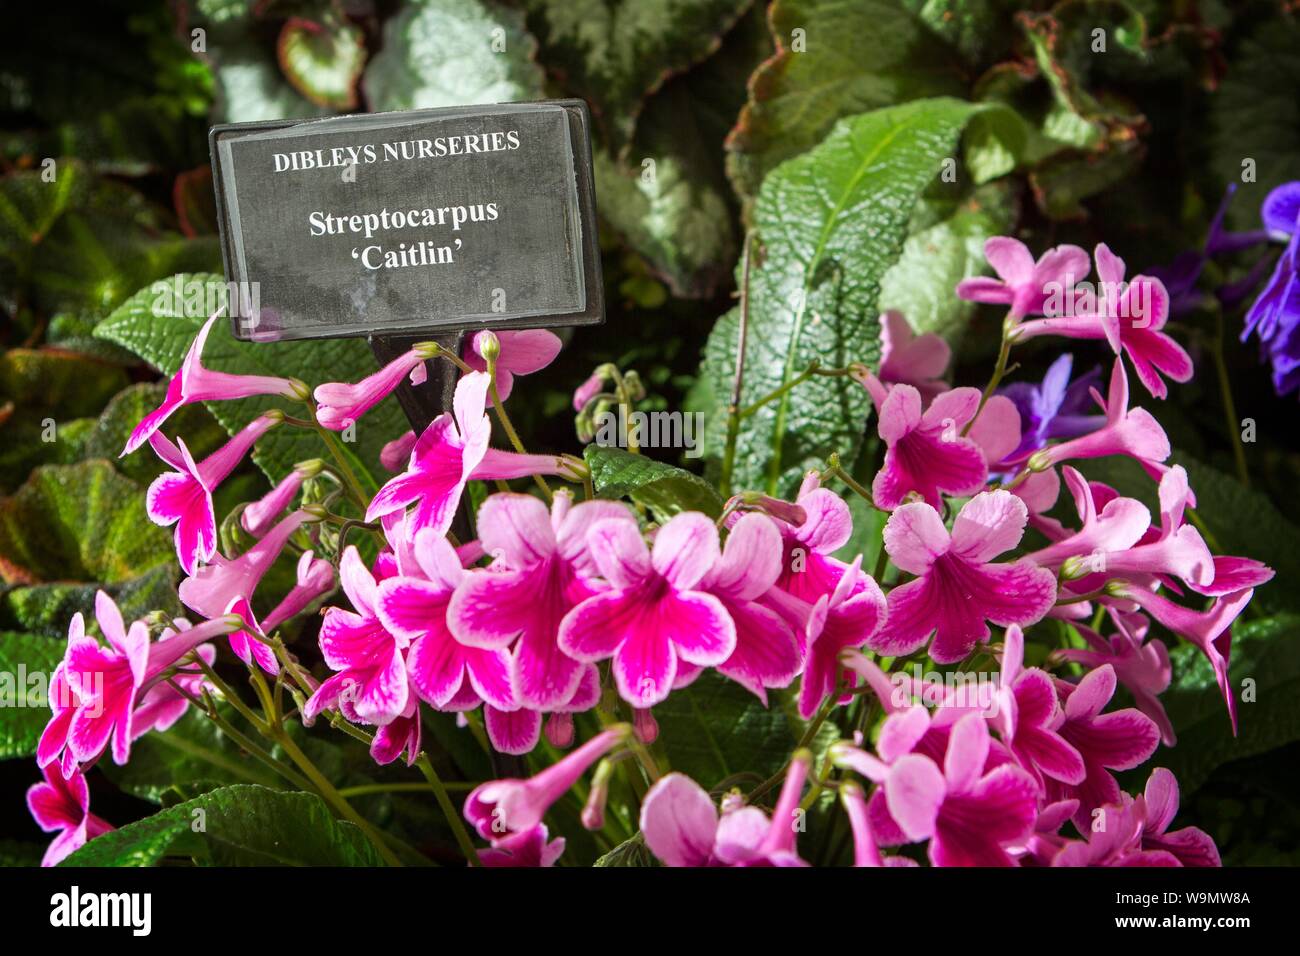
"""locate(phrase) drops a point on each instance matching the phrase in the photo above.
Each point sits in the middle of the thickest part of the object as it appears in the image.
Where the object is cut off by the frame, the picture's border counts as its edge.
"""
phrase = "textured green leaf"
(323, 61)
(1265, 652)
(160, 333)
(665, 489)
(715, 728)
(615, 52)
(242, 825)
(631, 852)
(50, 381)
(82, 522)
(46, 608)
(249, 84)
(452, 53)
(832, 223)
(24, 709)
(669, 196)
(946, 245)
(797, 97)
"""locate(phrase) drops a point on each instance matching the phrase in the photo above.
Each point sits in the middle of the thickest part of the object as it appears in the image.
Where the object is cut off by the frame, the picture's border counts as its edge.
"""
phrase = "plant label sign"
(418, 222)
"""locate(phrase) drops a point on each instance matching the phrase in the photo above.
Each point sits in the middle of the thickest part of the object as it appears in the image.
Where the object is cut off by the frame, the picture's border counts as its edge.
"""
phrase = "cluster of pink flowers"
(521, 620)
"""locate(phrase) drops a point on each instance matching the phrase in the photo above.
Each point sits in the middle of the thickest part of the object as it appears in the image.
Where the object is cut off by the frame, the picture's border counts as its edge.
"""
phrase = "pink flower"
(1142, 668)
(1116, 526)
(911, 359)
(159, 707)
(1128, 431)
(1120, 740)
(184, 497)
(395, 454)
(847, 618)
(589, 389)
(413, 607)
(1178, 549)
(1191, 846)
(682, 828)
(814, 528)
(1022, 284)
(1234, 574)
(194, 383)
(213, 587)
(315, 577)
(1114, 838)
(865, 851)
(957, 589)
(499, 808)
(767, 651)
(1129, 316)
(653, 613)
(926, 452)
(64, 805)
(401, 734)
(969, 814)
(258, 517)
(1035, 717)
(522, 352)
(110, 682)
(441, 462)
(372, 677)
(339, 404)
(527, 849)
(515, 731)
(542, 570)
(559, 725)
(1210, 631)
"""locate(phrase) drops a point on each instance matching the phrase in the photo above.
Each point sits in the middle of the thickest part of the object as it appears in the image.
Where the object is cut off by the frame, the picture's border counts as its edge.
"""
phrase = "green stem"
(738, 379)
(509, 428)
(448, 809)
(999, 370)
(1229, 404)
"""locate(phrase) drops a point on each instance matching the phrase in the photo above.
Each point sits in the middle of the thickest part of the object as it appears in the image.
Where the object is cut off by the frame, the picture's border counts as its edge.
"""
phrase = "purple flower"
(1275, 314)
(1053, 409)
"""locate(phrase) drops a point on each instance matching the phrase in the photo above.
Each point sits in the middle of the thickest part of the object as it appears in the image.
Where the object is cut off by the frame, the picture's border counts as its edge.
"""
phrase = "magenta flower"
(1191, 846)
(847, 618)
(1234, 574)
(444, 456)
(398, 736)
(1143, 668)
(413, 608)
(110, 682)
(339, 404)
(1128, 431)
(259, 516)
(957, 588)
(969, 814)
(589, 389)
(653, 613)
(522, 352)
(1129, 316)
(499, 808)
(865, 851)
(559, 725)
(527, 849)
(64, 700)
(1115, 840)
(1119, 740)
(64, 805)
(371, 673)
(515, 731)
(814, 528)
(911, 359)
(1177, 549)
(159, 707)
(1210, 631)
(1118, 524)
(213, 587)
(184, 497)
(194, 383)
(1022, 284)
(315, 577)
(1035, 716)
(926, 452)
(767, 651)
(395, 454)
(682, 827)
(541, 571)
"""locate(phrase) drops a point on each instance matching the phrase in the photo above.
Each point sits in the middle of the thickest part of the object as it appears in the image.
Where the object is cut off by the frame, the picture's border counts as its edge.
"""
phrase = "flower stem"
(1229, 404)
(733, 406)
(999, 370)
(508, 427)
(448, 809)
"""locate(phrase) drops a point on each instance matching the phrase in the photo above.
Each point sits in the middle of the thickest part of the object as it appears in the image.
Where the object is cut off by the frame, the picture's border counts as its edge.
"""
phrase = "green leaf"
(615, 52)
(16, 853)
(631, 852)
(946, 245)
(832, 223)
(665, 489)
(249, 84)
(46, 608)
(1266, 652)
(452, 53)
(797, 97)
(50, 381)
(82, 522)
(160, 327)
(715, 728)
(323, 61)
(242, 825)
(24, 706)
